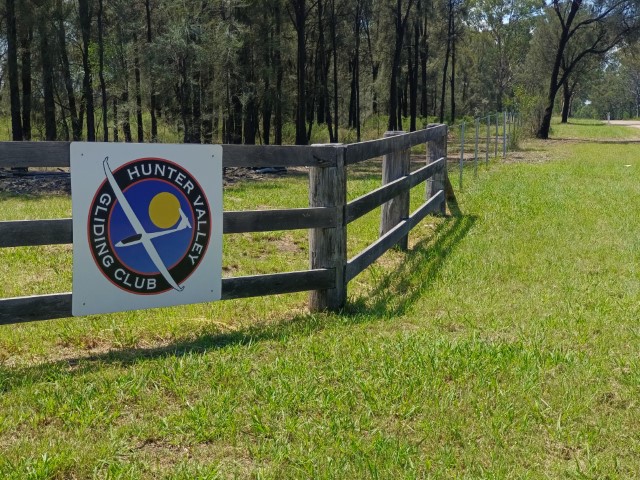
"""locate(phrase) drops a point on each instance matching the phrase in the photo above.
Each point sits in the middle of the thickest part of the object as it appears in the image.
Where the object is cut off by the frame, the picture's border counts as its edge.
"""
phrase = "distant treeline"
(239, 71)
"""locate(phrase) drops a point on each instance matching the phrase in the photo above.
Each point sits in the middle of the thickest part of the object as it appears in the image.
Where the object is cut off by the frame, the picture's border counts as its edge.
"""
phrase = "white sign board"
(147, 225)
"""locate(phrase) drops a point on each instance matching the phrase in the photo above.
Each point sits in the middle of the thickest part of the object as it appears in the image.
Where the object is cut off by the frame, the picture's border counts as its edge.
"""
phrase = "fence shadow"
(396, 291)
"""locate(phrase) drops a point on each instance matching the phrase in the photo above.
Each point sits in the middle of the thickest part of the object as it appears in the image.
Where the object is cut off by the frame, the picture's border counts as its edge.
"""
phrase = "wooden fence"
(327, 216)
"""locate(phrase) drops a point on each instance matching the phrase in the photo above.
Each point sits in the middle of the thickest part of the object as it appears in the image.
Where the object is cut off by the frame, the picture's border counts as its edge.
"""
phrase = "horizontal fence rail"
(366, 203)
(58, 305)
(57, 154)
(369, 255)
(326, 217)
(26, 233)
(359, 152)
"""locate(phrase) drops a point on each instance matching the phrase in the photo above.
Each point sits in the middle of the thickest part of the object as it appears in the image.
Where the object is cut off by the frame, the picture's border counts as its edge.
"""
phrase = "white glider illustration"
(141, 235)
(137, 238)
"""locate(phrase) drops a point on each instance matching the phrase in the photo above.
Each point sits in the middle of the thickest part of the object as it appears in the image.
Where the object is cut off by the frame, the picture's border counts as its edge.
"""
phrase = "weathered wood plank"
(364, 204)
(58, 305)
(34, 154)
(278, 156)
(25, 233)
(395, 165)
(34, 308)
(358, 152)
(328, 246)
(272, 220)
(56, 154)
(436, 150)
(277, 283)
(365, 258)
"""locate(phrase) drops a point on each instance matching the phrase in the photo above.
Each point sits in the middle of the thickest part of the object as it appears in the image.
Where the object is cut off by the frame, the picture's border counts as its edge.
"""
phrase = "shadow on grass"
(394, 294)
(398, 290)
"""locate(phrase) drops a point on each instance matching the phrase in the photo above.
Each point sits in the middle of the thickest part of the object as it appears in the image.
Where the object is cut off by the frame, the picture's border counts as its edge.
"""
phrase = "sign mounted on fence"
(147, 225)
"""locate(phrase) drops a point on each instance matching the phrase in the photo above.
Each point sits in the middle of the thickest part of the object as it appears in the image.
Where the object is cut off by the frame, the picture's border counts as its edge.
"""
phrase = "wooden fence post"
(395, 165)
(437, 149)
(328, 246)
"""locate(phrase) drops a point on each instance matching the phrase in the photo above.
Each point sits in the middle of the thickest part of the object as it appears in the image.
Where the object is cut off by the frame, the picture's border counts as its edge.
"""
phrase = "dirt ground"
(626, 123)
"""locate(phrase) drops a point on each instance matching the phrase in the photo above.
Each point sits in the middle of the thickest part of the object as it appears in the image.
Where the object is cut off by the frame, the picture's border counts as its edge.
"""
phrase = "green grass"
(506, 344)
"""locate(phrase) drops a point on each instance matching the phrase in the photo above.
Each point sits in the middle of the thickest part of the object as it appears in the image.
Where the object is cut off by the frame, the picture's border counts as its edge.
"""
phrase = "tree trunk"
(567, 93)
(277, 117)
(424, 56)
(138, 88)
(126, 121)
(413, 79)
(236, 118)
(453, 77)
(103, 86)
(115, 119)
(267, 102)
(334, 47)
(320, 67)
(196, 129)
(300, 14)
(47, 82)
(12, 63)
(76, 124)
(500, 99)
(356, 59)
(183, 94)
(207, 106)
(401, 23)
(374, 71)
(26, 83)
(87, 83)
(154, 120)
(554, 86)
(446, 65)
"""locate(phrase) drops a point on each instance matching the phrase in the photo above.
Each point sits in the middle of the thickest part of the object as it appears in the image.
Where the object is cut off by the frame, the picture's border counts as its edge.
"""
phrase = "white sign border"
(93, 293)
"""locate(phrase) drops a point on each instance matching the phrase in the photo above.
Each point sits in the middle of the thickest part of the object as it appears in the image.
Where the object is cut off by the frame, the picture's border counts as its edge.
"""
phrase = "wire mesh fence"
(474, 142)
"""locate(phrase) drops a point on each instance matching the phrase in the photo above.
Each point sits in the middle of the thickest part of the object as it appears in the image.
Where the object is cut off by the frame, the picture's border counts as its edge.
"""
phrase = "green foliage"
(531, 108)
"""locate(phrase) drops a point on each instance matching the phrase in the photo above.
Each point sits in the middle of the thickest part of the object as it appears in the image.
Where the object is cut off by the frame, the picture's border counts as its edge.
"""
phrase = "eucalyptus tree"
(630, 66)
(454, 10)
(85, 15)
(12, 63)
(400, 15)
(299, 12)
(508, 23)
(605, 24)
(47, 54)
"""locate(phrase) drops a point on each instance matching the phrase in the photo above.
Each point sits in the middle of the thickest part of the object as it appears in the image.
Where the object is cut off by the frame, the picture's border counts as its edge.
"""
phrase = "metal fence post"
(395, 165)
(328, 246)
(461, 152)
(509, 126)
(486, 158)
(475, 156)
(495, 155)
(504, 134)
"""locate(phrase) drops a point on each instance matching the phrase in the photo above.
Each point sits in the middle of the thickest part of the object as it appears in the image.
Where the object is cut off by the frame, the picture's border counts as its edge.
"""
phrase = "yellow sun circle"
(164, 210)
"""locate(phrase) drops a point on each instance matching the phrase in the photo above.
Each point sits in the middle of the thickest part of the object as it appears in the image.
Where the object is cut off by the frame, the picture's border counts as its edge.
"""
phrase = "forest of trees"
(249, 71)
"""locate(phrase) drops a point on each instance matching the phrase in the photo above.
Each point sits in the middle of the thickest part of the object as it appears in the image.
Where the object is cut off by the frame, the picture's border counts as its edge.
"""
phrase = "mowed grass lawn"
(506, 344)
